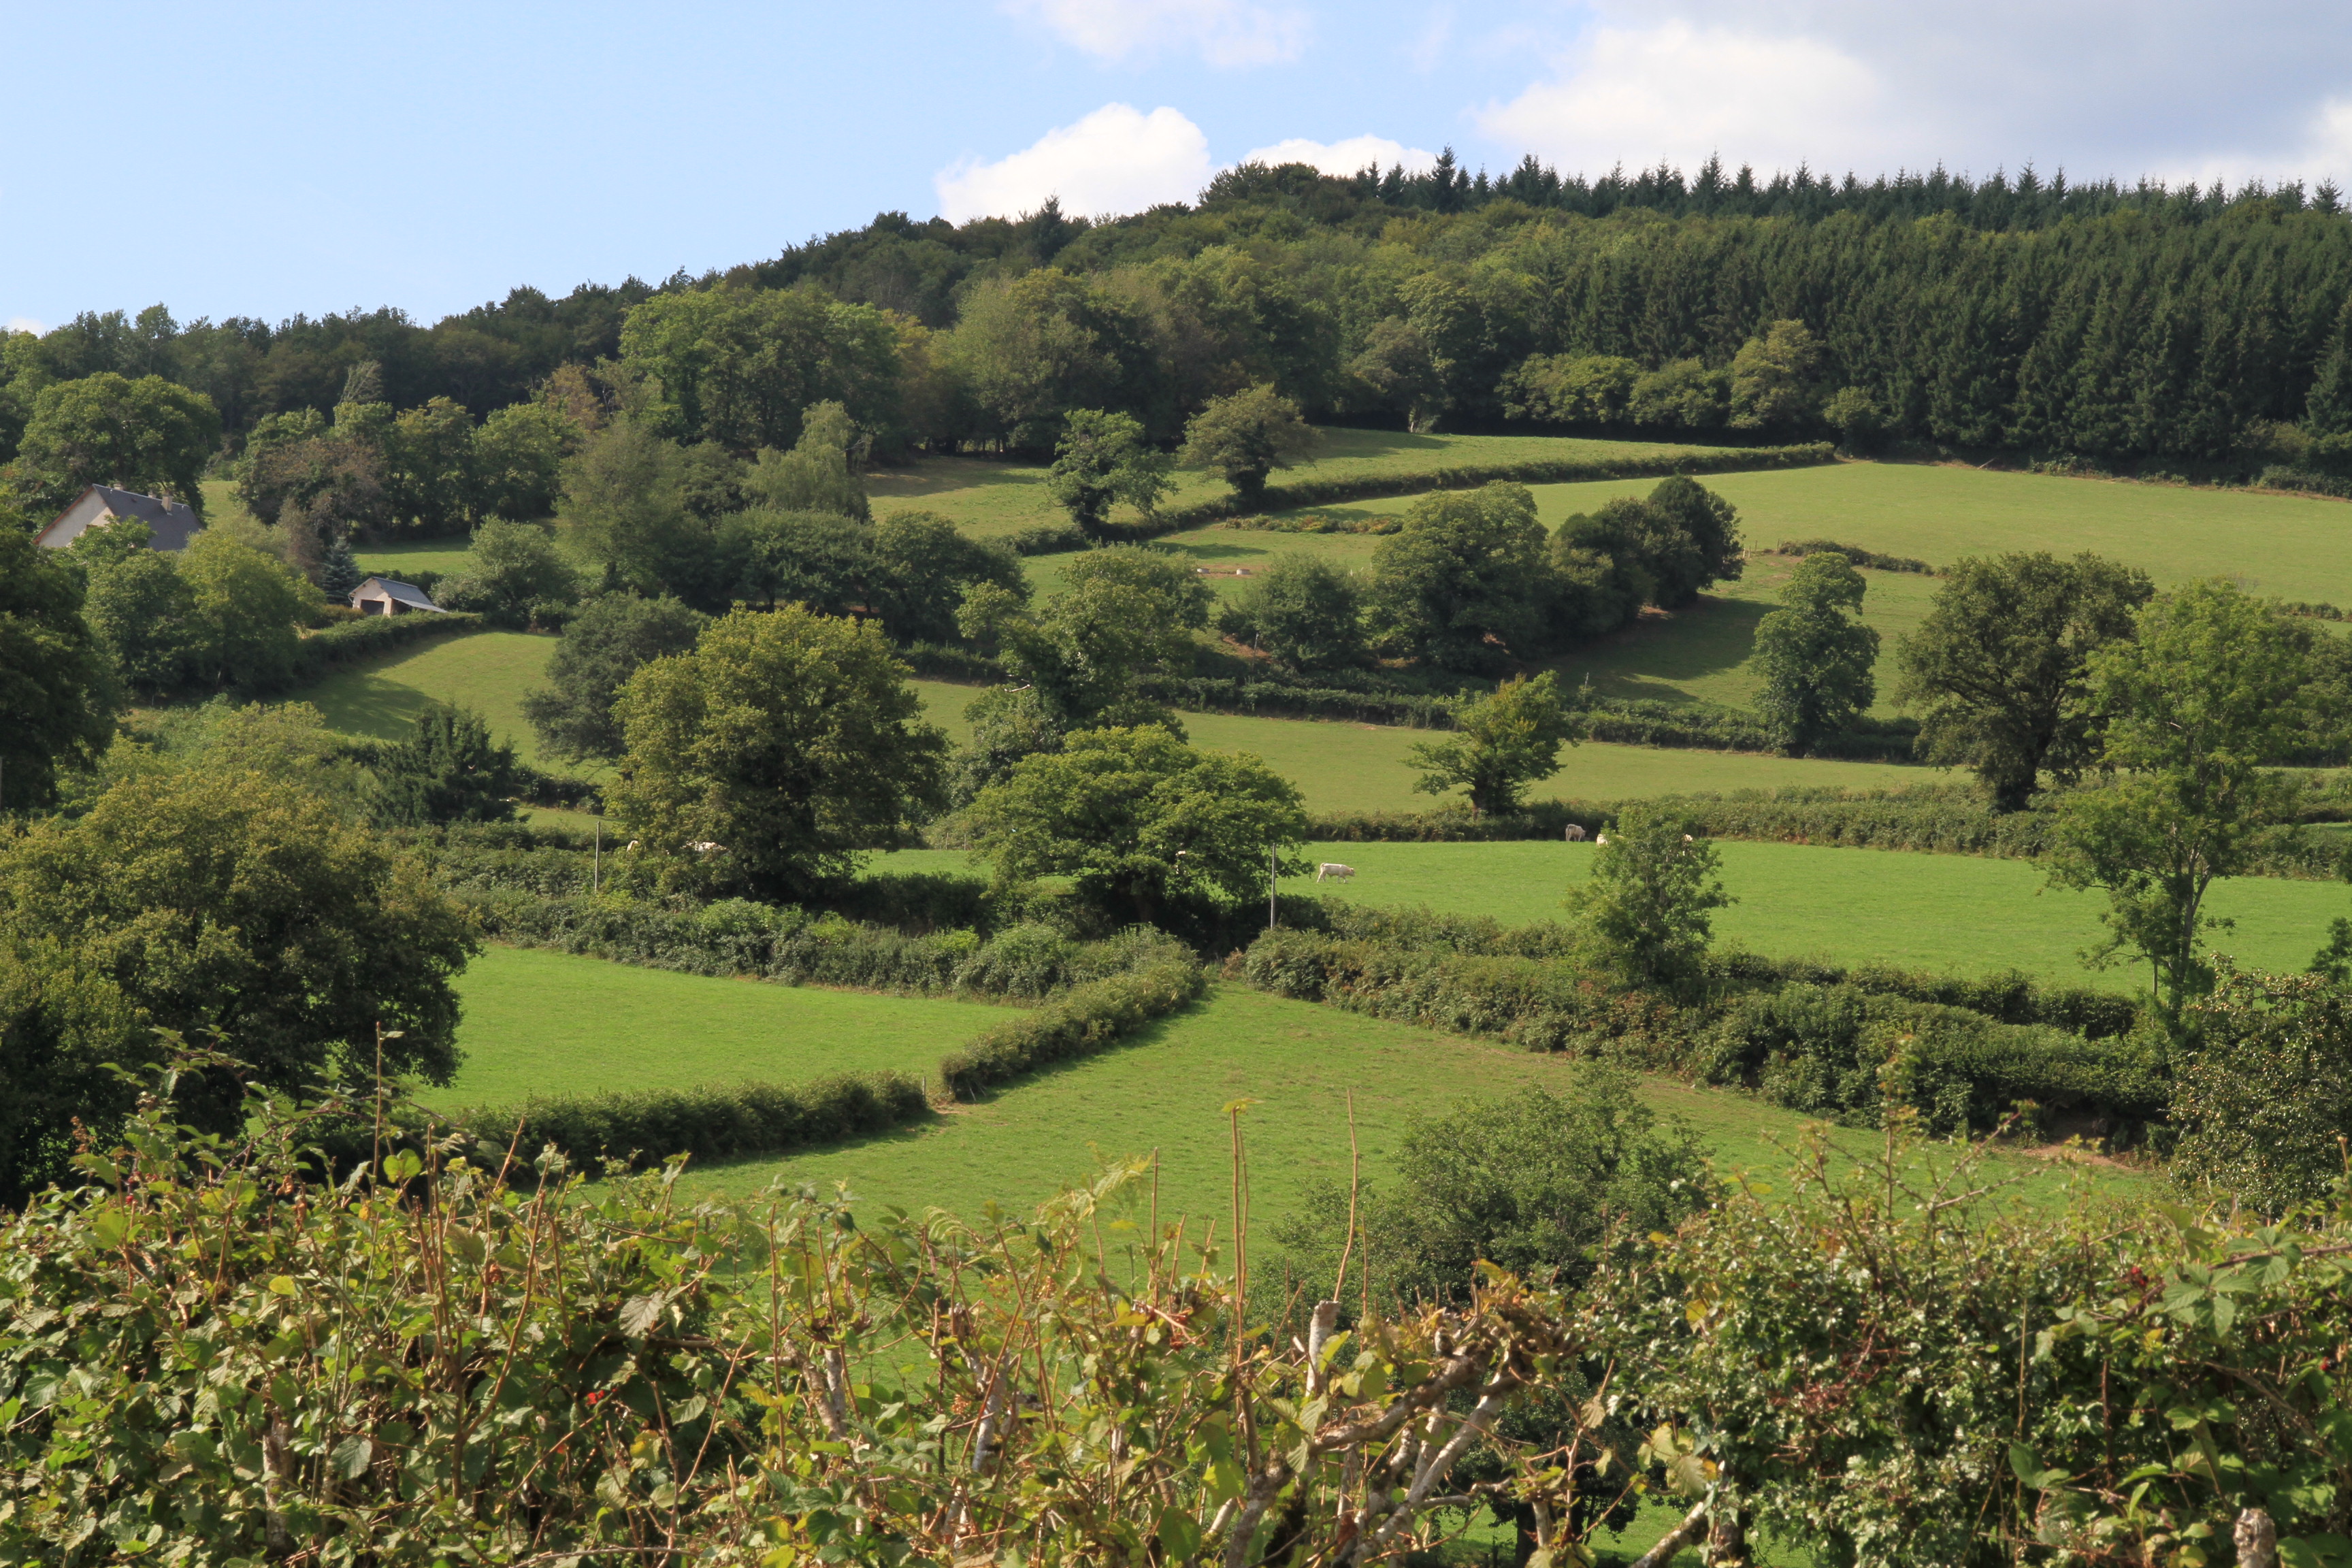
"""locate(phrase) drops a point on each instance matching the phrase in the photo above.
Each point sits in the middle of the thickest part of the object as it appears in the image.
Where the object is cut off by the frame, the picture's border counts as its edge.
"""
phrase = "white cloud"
(1680, 92)
(1114, 160)
(2173, 90)
(1344, 157)
(26, 324)
(1222, 32)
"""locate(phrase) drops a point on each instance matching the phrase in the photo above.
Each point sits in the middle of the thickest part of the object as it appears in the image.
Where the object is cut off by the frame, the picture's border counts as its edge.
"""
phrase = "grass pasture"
(1164, 1090)
(487, 671)
(990, 497)
(541, 1024)
(1963, 913)
(1966, 914)
(1341, 766)
(1706, 654)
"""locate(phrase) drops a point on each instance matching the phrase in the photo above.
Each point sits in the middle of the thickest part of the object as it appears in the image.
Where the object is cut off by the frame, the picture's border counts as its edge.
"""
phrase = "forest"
(2136, 326)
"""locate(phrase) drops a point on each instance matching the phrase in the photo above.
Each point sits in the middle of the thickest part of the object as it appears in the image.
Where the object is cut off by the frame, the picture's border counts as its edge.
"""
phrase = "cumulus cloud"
(25, 324)
(1222, 32)
(1345, 157)
(2178, 89)
(1116, 160)
(1680, 92)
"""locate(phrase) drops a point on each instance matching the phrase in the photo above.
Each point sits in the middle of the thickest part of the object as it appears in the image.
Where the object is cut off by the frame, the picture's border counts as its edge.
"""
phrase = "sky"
(240, 157)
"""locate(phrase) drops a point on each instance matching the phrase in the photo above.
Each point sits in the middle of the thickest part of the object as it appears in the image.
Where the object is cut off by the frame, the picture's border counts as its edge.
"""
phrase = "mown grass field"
(1341, 766)
(1963, 913)
(487, 671)
(989, 497)
(1295, 1062)
(542, 1024)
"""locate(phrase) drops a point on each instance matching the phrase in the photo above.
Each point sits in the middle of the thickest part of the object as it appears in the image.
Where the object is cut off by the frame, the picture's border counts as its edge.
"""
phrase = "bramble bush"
(208, 1358)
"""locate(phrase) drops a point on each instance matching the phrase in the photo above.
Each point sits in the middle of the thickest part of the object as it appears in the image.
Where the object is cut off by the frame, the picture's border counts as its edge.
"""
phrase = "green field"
(989, 497)
(442, 555)
(1965, 913)
(540, 1024)
(1705, 653)
(1165, 1089)
(1340, 766)
(487, 671)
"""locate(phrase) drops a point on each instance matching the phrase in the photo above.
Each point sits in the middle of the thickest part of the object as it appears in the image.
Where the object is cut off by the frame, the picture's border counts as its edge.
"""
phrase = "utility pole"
(1269, 886)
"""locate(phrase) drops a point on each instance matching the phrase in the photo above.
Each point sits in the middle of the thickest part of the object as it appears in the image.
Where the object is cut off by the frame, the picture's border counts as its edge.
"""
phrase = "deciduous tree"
(2208, 691)
(1998, 667)
(788, 739)
(148, 435)
(1136, 817)
(1501, 744)
(1301, 609)
(1246, 437)
(1815, 655)
(1466, 583)
(56, 695)
(1102, 457)
(605, 645)
(1652, 887)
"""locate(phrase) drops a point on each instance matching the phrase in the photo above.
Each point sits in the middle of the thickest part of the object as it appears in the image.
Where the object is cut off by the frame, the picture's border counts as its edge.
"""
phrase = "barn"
(384, 596)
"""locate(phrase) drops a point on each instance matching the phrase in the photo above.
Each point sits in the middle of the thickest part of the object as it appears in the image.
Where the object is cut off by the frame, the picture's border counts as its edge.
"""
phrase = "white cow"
(1600, 839)
(1334, 870)
(1574, 835)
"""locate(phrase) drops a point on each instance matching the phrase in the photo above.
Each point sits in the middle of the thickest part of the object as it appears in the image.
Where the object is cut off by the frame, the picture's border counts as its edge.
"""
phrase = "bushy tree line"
(2018, 314)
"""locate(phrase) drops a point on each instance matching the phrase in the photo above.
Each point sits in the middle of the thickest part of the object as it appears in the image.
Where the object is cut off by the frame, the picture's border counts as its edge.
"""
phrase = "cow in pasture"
(1334, 870)
(1574, 835)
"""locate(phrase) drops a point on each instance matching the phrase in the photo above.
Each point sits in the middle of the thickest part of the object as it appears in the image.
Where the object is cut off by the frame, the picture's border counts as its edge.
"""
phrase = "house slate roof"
(408, 594)
(172, 523)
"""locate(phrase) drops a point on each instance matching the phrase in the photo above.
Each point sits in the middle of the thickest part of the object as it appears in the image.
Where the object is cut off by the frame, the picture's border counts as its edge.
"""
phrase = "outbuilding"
(384, 596)
(169, 523)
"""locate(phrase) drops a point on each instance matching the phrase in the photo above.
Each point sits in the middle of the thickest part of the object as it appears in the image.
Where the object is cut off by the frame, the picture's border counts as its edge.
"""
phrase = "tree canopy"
(788, 740)
(58, 695)
(1136, 817)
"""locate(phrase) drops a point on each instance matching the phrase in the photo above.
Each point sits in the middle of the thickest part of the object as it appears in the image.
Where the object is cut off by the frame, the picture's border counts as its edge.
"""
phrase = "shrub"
(1088, 1019)
(711, 1123)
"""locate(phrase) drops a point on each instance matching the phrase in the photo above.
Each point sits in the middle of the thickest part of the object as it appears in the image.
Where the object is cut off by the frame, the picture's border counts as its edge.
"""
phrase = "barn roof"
(408, 594)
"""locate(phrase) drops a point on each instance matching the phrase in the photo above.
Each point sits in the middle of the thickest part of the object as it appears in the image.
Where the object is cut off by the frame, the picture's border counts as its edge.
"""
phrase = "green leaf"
(282, 1285)
(640, 1315)
(352, 1456)
(1180, 1535)
(402, 1166)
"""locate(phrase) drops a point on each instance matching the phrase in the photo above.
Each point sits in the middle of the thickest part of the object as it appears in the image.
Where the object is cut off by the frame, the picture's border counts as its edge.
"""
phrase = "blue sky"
(263, 159)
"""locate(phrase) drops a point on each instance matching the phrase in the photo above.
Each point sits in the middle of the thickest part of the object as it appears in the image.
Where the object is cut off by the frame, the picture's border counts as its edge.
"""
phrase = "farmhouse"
(169, 523)
(384, 596)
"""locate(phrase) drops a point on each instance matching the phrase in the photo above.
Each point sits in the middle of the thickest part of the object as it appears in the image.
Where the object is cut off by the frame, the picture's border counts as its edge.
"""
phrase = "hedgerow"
(1834, 1043)
(1085, 1020)
(797, 947)
(711, 1123)
(370, 635)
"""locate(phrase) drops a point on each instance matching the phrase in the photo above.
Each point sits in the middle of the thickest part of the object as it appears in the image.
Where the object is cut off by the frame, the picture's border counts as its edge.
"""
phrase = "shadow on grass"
(1352, 443)
(1647, 660)
(938, 476)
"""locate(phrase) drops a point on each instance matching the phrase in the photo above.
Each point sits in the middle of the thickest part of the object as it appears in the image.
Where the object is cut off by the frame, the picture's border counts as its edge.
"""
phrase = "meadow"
(540, 1024)
(1341, 766)
(487, 671)
(1295, 1064)
(2293, 546)
(990, 497)
(1965, 913)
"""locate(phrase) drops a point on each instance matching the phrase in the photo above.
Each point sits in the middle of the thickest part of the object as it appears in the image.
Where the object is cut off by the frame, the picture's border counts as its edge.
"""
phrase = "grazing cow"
(1334, 870)
(1600, 839)
(1574, 835)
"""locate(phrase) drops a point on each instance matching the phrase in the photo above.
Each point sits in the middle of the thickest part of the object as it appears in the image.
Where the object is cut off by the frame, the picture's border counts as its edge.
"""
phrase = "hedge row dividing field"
(1164, 1089)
